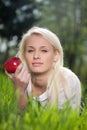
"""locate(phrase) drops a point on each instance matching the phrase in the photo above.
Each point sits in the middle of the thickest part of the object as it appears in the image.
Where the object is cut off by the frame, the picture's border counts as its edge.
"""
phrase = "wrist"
(22, 92)
(20, 89)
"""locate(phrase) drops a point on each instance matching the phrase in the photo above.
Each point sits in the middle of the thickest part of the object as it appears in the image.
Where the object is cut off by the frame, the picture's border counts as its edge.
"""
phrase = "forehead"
(37, 40)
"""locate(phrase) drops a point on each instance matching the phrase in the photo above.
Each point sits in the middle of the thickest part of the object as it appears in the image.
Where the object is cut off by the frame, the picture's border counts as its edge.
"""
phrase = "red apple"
(11, 64)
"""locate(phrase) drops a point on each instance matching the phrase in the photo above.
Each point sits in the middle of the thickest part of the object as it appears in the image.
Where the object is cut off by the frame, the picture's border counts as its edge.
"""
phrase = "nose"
(36, 55)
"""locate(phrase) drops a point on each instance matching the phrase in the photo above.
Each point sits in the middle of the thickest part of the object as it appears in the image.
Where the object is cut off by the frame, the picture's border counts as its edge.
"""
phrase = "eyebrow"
(40, 46)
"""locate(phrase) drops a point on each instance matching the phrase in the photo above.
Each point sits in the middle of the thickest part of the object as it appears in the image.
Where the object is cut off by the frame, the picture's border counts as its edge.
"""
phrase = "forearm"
(22, 100)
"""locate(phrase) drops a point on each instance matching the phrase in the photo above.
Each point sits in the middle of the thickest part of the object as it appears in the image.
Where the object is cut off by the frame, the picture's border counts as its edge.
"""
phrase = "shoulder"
(70, 75)
(66, 71)
(74, 85)
(72, 79)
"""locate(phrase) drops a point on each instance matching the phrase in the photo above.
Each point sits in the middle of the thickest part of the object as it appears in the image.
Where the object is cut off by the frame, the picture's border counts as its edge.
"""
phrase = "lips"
(37, 64)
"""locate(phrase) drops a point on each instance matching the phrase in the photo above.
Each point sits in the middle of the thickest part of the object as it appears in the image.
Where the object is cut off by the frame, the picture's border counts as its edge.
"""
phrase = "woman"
(41, 72)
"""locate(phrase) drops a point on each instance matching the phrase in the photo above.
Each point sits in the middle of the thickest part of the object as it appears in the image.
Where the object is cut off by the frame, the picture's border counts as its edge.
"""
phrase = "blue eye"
(30, 51)
(44, 50)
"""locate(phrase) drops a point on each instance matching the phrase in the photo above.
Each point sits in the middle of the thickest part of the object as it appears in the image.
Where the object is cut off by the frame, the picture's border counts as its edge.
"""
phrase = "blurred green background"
(66, 18)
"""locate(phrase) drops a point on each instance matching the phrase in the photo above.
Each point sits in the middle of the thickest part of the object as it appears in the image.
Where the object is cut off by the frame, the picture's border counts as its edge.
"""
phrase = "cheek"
(49, 59)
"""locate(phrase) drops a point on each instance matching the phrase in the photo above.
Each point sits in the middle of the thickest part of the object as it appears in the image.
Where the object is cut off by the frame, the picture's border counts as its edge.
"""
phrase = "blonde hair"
(56, 80)
(48, 35)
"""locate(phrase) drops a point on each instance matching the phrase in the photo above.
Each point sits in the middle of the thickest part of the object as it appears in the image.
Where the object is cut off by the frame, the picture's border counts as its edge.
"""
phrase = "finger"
(24, 73)
(19, 68)
(10, 75)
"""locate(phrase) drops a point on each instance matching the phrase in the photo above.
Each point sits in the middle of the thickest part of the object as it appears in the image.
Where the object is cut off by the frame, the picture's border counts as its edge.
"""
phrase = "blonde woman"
(42, 73)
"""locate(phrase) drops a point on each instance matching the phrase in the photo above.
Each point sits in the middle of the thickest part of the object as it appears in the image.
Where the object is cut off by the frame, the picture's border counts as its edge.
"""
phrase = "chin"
(37, 72)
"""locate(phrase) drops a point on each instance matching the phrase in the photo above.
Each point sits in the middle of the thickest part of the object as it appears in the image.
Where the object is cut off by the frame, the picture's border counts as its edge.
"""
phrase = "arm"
(20, 80)
(72, 87)
(75, 90)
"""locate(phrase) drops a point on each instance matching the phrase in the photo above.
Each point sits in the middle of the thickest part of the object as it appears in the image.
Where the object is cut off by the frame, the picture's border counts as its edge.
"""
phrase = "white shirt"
(42, 98)
(75, 88)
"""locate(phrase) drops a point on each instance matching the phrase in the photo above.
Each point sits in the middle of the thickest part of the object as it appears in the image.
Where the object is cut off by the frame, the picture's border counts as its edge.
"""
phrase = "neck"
(39, 83)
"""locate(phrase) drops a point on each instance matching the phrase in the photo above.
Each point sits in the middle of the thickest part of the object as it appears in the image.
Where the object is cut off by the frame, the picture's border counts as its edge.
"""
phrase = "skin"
(40, 57)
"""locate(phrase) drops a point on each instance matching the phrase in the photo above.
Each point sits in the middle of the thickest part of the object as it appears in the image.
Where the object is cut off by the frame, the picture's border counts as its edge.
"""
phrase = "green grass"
(35, 117)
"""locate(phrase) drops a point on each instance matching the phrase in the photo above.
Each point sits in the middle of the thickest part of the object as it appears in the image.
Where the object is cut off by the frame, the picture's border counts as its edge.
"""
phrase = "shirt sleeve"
(73, 87)
(75, 91)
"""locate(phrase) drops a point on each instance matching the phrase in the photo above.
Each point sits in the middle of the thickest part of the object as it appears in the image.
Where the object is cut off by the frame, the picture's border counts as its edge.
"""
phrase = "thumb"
(10, 75)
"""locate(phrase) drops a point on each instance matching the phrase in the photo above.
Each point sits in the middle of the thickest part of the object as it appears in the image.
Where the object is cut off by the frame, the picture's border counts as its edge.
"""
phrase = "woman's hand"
(20, 78)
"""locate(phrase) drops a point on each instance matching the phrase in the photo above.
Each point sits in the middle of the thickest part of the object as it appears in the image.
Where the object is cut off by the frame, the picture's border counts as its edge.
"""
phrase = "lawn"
(35, 117)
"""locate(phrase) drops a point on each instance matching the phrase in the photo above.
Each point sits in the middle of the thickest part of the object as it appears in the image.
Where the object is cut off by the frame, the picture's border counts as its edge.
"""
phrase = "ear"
(56, 56)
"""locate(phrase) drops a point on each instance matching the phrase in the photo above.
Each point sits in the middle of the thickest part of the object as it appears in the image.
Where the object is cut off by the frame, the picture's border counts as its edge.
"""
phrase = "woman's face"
(39, 54)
